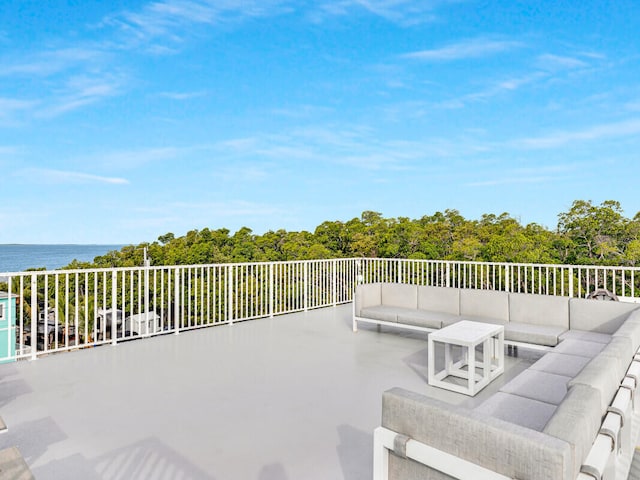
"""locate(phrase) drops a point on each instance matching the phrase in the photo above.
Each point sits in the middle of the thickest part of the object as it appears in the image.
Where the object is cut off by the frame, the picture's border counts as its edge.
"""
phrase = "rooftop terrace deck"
(291, 397)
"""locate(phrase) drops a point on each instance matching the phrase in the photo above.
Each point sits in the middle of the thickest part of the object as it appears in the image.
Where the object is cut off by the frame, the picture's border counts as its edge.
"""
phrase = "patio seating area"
(289, 397)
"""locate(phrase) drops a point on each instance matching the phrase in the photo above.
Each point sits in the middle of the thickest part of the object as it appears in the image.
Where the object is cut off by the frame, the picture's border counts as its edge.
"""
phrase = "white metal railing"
(52, 311)
(545, 279)
(69, 309)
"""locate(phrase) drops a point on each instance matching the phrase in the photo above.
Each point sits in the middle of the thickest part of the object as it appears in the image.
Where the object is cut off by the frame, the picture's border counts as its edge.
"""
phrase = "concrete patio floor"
(286, 398)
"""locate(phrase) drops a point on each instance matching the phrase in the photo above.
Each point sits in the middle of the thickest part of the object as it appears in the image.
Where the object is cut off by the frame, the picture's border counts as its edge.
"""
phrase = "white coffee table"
(477, 372)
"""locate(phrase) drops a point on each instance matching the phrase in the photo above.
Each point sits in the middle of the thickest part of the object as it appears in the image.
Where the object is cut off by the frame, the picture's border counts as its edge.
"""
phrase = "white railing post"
(507, 278)
(176, 301)
(11, 332)
(334, 281)
(447, 274)
(34, 317)
(571, 282)
(272, 293)
(305, 286)
(114, 305)
(230, 294)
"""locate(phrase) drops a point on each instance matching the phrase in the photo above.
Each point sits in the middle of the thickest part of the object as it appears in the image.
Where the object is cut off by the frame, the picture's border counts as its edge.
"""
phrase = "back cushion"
(577, 421)
(439, 299)
(598, 315)
(484, 304)
(399, 295)
(367, 295)
(600, 373)
(539, 309)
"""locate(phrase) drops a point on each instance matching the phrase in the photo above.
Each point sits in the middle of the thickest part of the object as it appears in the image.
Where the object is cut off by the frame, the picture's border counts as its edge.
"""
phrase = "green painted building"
(7, 327)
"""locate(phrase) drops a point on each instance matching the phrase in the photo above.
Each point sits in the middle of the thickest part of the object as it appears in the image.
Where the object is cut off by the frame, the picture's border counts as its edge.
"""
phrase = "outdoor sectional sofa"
(573, 414)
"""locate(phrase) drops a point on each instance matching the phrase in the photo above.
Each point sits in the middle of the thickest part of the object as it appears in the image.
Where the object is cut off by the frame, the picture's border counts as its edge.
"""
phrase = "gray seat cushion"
(493, 321)
(561, 364)
(422, 318)
(380, 312)
(530, 333)
(579, 347)
(538, 385)
(586, 336)
(510, 408)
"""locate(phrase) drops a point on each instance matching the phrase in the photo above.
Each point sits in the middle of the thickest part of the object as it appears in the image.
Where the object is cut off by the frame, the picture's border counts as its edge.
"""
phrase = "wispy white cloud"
(174, 20)
(352, 146)
(182, 95)
(53, 61)
(598, 132)
(559, 62)
(473, 48)
(230, 208)
(529, 175)
(64, 176)
(514, 181)
(405, 12)
(498, 88)
(138, 157)
(12, 110)
(79, 92)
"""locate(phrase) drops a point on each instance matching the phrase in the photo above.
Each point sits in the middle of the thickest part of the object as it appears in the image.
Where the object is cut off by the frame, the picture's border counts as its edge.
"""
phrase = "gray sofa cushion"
(423, 318)
(399, 295)
(510, 408)
(484, 304)
(560, 364)
(381, 312)
(631, 330)
(439, 299)
(530, 333)
(599, 373)
(538, 385)
(577, 421)
(598, 315)
(586, 336)
(539, 309)
(503, 447)
(367, 295)
(619, 348)
(579, 347)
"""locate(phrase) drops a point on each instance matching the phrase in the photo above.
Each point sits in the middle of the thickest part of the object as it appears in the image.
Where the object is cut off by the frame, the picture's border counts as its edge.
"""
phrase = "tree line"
(585, 234)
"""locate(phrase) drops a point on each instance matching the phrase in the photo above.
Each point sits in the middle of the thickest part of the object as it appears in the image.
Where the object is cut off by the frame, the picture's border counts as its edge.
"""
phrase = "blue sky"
(123, 120)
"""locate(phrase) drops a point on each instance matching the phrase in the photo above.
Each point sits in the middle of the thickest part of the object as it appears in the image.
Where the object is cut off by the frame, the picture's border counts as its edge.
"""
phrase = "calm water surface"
(16, 258)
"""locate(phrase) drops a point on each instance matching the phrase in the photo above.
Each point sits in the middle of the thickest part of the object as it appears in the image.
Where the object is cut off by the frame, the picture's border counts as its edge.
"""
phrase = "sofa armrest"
(502, 447)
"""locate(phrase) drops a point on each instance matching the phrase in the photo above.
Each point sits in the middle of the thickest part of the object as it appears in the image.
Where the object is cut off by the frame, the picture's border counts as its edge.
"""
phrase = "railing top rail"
(29, 273)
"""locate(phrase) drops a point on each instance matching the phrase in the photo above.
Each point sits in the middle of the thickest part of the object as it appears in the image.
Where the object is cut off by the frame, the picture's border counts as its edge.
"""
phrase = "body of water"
(17, 258)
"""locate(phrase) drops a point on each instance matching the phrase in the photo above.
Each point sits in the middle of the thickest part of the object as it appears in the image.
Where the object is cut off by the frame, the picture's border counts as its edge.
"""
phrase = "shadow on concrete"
(273, 471)
(10, 390)
(33, 438)
(146, 459)
(417, 362)
(355, 452)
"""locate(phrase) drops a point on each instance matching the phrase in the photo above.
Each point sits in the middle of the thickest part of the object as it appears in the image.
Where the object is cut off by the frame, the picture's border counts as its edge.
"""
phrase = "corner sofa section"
(572, 415)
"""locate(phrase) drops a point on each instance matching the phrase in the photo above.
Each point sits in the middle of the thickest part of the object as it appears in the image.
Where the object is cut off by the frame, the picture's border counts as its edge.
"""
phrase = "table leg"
(471, 362)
